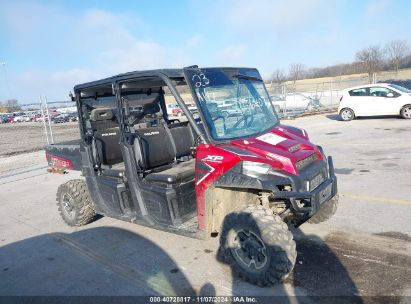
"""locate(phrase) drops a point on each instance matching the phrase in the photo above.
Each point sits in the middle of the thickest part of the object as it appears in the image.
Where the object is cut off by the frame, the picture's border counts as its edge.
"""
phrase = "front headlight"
(251, 168)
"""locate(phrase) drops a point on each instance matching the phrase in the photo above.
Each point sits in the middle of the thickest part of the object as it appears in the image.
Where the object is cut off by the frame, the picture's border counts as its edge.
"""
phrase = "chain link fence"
(294, 99)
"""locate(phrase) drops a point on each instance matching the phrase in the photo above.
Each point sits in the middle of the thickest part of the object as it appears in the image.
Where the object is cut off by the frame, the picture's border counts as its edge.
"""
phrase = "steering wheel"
(218, 117)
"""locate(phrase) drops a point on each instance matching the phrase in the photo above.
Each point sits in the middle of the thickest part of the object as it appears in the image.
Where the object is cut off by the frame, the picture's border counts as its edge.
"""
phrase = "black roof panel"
(171, 73)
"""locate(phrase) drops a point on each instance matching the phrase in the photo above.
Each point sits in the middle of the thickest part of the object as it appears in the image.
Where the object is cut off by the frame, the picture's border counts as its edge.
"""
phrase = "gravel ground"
(28, 137)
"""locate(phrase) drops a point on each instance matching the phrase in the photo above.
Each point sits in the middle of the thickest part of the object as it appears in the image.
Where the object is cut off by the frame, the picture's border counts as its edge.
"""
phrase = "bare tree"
(371, 59)
(278, 76)
(396, 51)
(296, 71)
(13, 105)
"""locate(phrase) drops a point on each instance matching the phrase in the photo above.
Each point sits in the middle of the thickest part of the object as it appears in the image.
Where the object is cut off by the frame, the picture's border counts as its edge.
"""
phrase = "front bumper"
(307, 193)
(309, 202)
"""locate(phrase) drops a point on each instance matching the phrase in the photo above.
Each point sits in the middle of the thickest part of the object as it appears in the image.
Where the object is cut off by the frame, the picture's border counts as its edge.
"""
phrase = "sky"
(49, 46)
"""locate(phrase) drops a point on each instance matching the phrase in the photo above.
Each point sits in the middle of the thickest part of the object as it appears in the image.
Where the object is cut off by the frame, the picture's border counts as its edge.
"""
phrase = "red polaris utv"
(242, 176)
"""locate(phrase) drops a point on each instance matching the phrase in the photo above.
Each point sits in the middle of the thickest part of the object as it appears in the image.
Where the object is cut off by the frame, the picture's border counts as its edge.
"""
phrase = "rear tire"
(258, 246)
(327, 210)
(406, 111)
(74, 203)
(347, 114)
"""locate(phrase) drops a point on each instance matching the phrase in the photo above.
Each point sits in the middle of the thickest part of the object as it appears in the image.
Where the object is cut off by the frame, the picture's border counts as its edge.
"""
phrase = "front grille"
(301, 164)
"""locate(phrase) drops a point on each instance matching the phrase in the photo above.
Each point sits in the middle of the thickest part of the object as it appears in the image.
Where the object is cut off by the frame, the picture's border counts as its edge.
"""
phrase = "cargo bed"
(65, 155)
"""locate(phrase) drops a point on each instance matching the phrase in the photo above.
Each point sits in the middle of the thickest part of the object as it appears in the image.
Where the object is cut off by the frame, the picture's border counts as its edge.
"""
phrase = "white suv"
(374, 100)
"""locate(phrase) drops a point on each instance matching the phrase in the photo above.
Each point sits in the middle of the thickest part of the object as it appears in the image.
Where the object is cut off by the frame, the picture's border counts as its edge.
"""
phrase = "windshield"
(234, 102)
(400, 88)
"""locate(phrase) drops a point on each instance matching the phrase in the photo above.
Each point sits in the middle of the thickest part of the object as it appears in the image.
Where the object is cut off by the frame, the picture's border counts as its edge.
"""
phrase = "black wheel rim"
(68, 205)
(249, 250)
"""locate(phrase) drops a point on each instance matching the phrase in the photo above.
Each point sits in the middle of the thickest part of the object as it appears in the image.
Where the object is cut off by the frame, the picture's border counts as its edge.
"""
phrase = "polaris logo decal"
(152, 133)
(109, 134)
(213, 158)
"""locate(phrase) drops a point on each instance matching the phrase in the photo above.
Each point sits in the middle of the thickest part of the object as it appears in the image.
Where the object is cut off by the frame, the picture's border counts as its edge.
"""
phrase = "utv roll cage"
(167, 76)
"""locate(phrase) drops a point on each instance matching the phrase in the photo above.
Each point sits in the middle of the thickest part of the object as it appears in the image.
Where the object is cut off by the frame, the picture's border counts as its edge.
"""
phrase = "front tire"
(258, 246)
(327, 210)
(347, 114)
(406, 112)
(74, 203)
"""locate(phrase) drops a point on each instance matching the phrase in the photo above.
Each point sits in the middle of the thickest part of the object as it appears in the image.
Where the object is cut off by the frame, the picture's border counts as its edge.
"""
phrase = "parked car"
(374, 100)
(25, 118)
(229, 108)
(60, 118)
(39, 118)
(73, 116)
(17, 119)
(173, 110)
(3, 119)
(275, 101)
(296, 101)
(10, 119)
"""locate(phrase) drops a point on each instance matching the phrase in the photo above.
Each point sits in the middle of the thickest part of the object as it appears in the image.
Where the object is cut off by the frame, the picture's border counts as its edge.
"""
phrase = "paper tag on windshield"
(272, 139)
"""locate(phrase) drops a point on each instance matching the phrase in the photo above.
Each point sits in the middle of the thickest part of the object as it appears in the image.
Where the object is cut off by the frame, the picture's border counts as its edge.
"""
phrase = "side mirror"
(390, 95)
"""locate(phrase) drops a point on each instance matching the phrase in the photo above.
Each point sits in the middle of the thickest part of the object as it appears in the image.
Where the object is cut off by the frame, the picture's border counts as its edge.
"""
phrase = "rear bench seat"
(158, 151)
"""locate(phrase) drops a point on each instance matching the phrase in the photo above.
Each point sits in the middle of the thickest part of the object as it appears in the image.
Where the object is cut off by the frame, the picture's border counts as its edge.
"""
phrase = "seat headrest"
(101, 114)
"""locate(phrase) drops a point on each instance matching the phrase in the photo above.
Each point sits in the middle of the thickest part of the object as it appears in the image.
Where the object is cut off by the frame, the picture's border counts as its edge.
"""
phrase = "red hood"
(282, 147)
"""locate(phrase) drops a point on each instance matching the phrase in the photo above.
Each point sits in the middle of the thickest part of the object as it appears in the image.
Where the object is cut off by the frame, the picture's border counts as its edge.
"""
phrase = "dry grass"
(339, 82)
(385, 75)
(26, 137)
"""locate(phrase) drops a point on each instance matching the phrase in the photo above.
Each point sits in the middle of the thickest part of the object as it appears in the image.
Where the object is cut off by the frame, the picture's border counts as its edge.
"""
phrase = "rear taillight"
(341, 98)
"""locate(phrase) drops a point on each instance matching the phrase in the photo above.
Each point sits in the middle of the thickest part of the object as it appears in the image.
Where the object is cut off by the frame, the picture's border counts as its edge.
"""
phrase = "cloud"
(194, 42)
(94, 44)
(55, 85)
(135, 55)
(377, 7)
(232, 54)
(266, 15)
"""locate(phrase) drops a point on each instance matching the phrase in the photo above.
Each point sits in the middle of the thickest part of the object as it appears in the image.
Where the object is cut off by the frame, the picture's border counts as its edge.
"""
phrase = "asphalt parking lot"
(365, 249)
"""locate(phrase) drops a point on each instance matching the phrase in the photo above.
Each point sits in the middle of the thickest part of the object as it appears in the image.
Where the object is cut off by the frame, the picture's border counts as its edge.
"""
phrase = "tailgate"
(65, 155)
